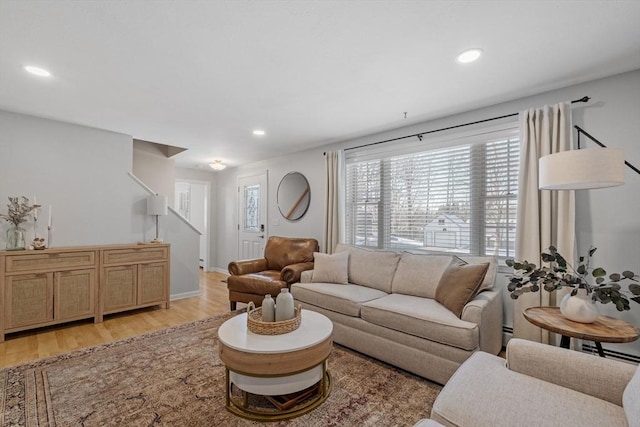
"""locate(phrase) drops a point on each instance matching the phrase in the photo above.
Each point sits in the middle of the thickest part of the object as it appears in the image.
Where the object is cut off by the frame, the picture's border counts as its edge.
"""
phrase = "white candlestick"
(49, 225)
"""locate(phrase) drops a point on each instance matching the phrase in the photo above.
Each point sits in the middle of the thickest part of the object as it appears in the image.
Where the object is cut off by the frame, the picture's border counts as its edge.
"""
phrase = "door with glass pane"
(252, 216)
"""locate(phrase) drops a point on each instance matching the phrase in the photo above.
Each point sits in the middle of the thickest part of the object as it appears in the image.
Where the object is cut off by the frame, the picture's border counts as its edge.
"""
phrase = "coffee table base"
(285, 407)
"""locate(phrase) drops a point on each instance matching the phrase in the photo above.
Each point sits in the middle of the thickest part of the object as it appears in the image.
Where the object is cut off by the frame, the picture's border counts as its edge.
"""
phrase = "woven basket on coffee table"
(257, 326)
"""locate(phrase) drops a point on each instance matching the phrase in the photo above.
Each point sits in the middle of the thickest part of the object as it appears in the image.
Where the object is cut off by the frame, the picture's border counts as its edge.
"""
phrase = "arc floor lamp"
(583, 169)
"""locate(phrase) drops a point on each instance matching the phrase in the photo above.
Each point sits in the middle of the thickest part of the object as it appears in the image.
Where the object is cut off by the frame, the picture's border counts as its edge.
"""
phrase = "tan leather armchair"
(284, 261)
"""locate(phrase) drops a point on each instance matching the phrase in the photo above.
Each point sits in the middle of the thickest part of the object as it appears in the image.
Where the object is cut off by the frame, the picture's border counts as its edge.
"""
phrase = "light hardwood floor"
(35, 344)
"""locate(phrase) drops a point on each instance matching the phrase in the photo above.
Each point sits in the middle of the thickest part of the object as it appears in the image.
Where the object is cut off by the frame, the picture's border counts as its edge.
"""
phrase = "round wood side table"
(604, 329)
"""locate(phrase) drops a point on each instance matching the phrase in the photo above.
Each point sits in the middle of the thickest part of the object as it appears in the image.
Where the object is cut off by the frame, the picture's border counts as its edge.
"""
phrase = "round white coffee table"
(289, 370)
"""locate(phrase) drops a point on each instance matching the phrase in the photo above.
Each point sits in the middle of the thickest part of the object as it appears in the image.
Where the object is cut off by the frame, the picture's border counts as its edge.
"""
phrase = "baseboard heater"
(590, 348)
(507, 333)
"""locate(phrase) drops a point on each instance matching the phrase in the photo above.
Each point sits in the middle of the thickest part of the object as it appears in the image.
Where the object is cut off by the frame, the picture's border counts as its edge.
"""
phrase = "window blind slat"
(460, 198)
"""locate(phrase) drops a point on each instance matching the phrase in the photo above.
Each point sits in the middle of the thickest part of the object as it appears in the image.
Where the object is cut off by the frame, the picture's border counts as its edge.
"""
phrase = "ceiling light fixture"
(217, 165)
(258, 132)
(469, 55)
(37, 71)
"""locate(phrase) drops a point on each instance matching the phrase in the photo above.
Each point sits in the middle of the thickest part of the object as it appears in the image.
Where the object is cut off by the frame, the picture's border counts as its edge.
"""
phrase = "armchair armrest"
(485, 310)
(292, 273)
(247, 266)
(603, 378)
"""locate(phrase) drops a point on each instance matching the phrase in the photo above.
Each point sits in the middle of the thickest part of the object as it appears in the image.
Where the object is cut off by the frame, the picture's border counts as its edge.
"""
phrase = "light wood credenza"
(52, 286)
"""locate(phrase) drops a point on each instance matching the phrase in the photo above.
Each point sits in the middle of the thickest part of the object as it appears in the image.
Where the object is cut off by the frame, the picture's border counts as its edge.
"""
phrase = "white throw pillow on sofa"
(331, 268)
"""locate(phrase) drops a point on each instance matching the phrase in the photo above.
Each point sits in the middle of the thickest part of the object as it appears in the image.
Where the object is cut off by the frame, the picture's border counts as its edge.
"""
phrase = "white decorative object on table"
(268, 309)
(50, 230)
(528, 277)
(285, 309)
(579, 308)
(49, 237)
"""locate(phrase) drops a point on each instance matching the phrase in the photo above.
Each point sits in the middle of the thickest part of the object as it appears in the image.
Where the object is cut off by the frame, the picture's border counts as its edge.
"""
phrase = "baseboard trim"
(219, 270)
(184, 295)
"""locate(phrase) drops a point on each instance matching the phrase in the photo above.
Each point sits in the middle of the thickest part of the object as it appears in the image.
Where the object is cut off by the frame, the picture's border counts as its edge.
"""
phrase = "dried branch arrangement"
(18, 210)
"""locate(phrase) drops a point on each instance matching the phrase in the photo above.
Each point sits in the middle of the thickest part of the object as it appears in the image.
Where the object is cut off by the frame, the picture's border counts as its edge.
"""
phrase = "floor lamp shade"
(157, 205)
(581, 169)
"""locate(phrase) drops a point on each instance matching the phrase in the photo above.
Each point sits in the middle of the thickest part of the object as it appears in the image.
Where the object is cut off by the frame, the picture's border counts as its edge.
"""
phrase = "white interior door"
(252, 216)
(192, 202)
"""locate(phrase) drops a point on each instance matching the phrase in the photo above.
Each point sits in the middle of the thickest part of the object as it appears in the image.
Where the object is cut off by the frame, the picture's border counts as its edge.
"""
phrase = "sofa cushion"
(422, 317)
(419, 274)
(345, 299)
(631, 400)
(459, 283)
(331, 268)
(489, 278)
(374, 269)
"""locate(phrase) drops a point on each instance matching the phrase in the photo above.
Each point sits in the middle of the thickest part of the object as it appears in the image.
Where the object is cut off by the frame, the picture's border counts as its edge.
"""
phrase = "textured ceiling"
(203, 74)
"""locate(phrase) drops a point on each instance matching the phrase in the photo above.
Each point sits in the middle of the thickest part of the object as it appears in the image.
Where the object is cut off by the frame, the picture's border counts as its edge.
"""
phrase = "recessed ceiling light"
(41, 72)
(469, 55)
(217, 165)
(258, 132)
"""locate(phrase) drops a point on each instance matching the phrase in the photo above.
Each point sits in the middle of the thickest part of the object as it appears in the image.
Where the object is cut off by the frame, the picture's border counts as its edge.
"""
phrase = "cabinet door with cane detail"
(29, 299)
(120, 288)
(74, 294)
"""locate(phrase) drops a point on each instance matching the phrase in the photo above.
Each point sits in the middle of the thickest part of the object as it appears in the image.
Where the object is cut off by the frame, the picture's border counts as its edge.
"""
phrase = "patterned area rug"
(174, 377)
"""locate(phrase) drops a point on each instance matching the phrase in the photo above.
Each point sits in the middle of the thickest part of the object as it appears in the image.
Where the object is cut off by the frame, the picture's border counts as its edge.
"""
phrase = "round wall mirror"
(294, 196)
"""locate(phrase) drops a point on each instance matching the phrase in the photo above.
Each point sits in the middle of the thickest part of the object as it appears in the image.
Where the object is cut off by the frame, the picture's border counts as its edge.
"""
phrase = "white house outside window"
(456, 196)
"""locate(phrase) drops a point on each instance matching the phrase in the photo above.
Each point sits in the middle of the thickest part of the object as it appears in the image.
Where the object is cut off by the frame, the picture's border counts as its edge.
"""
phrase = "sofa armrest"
(247, 266)
(306, 276)
(603, 378)
(291, 273)
(485, 310)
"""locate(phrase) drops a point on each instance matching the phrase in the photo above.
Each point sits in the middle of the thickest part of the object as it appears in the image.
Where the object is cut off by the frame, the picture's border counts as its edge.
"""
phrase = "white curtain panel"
(332, 205)
(545, 217)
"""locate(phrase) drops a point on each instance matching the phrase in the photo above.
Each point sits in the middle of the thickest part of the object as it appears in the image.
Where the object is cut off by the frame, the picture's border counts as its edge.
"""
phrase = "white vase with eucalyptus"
(579, 307)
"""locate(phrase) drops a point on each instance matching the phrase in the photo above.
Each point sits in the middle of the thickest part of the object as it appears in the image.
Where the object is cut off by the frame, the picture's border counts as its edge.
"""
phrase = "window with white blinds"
(456, 195)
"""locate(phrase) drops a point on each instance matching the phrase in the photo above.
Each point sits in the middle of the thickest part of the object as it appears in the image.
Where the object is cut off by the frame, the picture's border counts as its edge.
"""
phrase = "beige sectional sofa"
(539, 385)
(386, 307)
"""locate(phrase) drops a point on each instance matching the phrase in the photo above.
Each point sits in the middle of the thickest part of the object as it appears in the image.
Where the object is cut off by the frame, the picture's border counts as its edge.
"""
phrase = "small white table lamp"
(157, 205)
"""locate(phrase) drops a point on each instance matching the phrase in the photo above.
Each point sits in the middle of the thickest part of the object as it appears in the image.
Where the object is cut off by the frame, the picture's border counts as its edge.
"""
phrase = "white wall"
(83, 173)
(606, 218)
(309, 163)
(154, 168)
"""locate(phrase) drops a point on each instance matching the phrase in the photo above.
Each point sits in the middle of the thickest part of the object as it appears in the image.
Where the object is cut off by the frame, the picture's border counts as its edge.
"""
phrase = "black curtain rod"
(419, 135)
